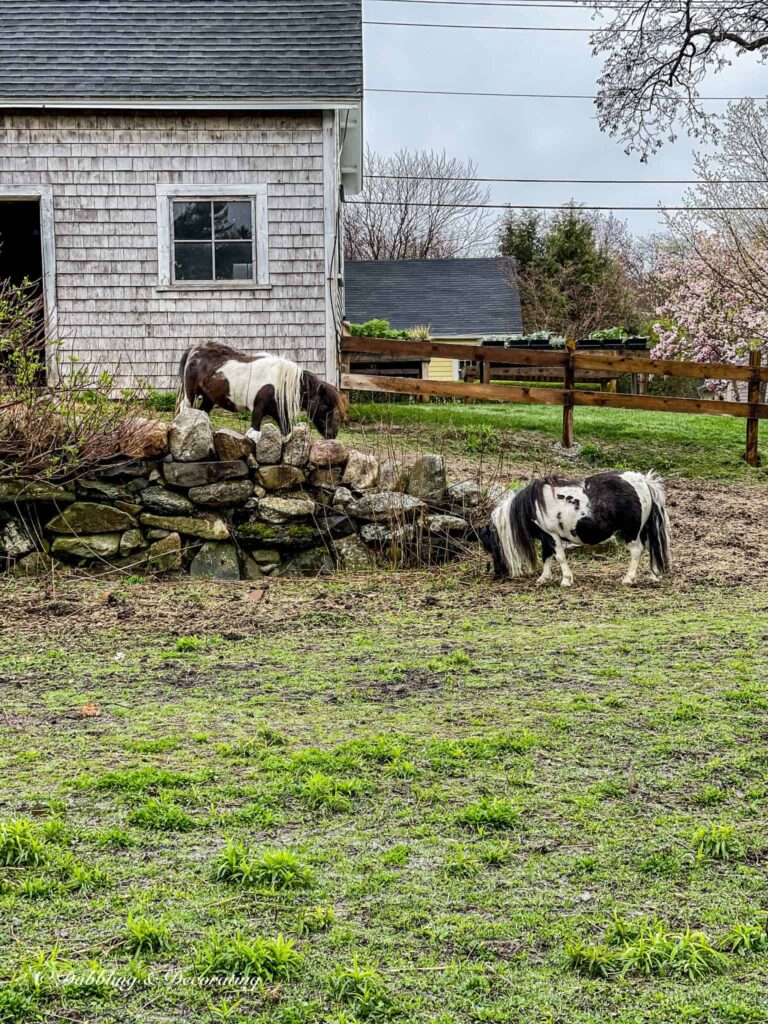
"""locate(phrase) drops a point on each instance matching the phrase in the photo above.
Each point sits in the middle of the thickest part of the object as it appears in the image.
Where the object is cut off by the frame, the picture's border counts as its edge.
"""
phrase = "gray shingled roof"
(457, 298)
(181, 49)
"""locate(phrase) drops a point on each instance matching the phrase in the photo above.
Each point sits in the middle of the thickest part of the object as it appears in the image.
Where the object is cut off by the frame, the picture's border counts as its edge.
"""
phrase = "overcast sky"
(516, 138)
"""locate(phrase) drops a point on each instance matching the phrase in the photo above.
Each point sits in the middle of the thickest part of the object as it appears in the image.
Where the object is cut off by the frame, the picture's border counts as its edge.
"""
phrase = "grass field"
(400, 797)
(707, 447)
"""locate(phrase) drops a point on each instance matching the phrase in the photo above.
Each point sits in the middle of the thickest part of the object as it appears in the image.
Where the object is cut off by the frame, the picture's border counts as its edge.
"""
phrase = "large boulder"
(93, 546)
(282, 510)
(443, 525)
(165, 502)
(198, 474)
(231, 444)
(269, 447)
(90, 517)
(165, 555)
(465, 495)
(426, 479)
(216, 562)
(143, 438)
(14, 491)
(206, 527)
(223, 495)
(290, 536)
(328, 453)
(315, 562)
(15, 541)
(385, 505)
(393, 476)
(280, 478)
(297, 446)
(352, 555)
(131, 541)
(362, 471)
(326, 477)
(191, 436)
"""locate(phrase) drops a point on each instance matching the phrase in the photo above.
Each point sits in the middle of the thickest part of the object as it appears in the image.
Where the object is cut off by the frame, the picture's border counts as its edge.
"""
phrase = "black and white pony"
(263, 385)
(562, 514)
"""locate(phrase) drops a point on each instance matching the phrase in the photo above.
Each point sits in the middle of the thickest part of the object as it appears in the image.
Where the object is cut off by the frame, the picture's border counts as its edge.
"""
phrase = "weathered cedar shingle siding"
(104, 170)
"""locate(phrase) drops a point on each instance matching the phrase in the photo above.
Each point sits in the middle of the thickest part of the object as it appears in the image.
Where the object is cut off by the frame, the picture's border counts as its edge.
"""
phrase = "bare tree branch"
(655, 57)
(401, 228)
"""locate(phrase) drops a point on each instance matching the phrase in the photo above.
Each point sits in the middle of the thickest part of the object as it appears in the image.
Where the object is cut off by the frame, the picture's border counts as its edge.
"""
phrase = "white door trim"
(44, 195)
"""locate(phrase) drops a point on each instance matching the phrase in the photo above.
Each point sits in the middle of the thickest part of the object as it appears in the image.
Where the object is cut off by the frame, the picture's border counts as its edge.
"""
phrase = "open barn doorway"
(21, 255)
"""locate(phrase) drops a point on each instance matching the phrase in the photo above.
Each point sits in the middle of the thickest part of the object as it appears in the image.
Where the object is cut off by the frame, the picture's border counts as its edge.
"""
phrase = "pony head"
(323, 405)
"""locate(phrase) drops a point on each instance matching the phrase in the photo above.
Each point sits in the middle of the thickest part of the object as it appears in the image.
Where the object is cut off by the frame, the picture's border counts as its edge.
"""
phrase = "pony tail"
(287, 390)
(514, 523)
(657, 527)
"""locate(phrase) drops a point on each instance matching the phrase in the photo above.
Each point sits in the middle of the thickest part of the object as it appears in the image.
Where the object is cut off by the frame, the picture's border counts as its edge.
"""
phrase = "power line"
(563, 206)
(563, 5)
(574, 181)
(534, 95)
(484, 28)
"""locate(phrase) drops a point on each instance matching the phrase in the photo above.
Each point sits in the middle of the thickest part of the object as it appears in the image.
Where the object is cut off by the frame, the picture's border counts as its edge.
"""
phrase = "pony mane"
(287, 388)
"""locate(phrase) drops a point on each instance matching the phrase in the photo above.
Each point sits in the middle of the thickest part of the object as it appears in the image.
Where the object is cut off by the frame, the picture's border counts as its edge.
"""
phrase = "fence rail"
(571, 362)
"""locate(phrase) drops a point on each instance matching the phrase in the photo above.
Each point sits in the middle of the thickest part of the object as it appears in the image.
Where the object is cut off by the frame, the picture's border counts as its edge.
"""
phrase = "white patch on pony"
(559, 516)
(253, 435)
(246, 379)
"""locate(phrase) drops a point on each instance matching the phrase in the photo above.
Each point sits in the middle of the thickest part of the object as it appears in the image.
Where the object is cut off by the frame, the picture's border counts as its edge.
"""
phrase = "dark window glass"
(191, 221)
(233, 220)
(193, 261)
(234, 261)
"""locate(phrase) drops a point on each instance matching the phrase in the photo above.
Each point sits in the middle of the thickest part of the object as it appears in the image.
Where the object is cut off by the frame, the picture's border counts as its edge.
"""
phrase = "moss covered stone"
(263, 535)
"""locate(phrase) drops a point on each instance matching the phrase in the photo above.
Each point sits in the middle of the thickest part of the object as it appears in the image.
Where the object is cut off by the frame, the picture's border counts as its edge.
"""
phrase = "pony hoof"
(542, 581)
(567, 583)
(253, 435)
(629, 581)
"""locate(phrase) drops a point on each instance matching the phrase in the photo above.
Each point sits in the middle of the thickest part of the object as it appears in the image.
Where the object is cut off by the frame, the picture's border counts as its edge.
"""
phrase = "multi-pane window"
(214, 240)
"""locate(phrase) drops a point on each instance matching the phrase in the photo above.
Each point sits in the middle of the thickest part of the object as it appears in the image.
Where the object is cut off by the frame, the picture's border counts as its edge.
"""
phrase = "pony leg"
(264, 405)
(635, 554)
(548, 554)
(562, 561)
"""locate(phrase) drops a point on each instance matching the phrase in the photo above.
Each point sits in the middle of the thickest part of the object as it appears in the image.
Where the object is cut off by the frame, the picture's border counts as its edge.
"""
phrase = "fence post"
(753, 397)
(570, 376)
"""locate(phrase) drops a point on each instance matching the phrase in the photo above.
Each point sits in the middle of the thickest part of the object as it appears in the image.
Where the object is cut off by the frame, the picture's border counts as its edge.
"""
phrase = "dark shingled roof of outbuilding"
(457, 298)
(180, 49)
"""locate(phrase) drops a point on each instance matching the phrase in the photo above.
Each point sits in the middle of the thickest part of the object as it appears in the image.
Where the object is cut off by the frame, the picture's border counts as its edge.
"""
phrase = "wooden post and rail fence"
(565, 362)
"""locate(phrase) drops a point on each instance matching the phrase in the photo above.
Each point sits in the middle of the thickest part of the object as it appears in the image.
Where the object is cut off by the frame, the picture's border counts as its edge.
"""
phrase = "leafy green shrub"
(161, 401)
(20, 845)
(363, 989)
(717, 842)
(315, 919)
(146, 935)
(17, 1006)
(746, 938)
(273, 869)
(489, 813)
(322, 792)
(163, 815)
(266, 959)
(646, 948)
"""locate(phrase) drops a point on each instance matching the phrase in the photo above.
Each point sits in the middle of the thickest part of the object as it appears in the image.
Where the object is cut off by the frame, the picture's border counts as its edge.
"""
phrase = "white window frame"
(168, 194)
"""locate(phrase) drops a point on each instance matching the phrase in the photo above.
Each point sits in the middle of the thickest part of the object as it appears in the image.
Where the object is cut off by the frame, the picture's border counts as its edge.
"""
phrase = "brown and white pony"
(263, 385)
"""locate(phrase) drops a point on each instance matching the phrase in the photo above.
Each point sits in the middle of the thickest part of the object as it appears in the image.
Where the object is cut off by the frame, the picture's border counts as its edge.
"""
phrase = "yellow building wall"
(446, 369)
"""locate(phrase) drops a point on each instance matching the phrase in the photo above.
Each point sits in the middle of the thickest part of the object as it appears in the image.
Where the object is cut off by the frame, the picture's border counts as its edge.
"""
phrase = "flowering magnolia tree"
(710, 314)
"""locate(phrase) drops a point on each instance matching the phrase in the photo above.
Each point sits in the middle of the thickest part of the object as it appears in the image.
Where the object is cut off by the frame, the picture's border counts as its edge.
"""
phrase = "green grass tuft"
(271, 869)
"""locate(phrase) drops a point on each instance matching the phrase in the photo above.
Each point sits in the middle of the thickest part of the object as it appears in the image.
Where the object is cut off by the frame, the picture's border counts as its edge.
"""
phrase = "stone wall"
(187, 498)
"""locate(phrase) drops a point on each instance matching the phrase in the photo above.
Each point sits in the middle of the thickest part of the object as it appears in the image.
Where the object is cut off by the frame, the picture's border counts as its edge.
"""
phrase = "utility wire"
(484, 28)
(661, 208)
(534, 95)
(562, 5)
(575, 181)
